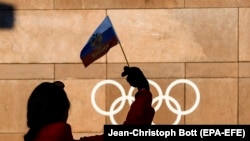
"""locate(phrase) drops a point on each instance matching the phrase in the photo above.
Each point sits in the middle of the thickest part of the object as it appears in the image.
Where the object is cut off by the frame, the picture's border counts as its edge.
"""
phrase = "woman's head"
(48, 103)
(135, 77)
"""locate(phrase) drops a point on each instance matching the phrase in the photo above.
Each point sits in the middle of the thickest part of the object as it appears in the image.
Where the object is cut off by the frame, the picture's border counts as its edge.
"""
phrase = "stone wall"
(204, 41)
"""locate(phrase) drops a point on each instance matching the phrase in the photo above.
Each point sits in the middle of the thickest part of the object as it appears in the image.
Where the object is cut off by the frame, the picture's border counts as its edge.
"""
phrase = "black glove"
(135, 77)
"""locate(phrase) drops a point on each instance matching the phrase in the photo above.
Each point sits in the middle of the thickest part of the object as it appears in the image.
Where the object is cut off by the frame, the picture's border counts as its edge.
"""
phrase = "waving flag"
(99, 43)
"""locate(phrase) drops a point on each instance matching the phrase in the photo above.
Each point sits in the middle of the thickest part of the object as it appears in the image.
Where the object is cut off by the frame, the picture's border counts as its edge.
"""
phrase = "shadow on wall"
(6, 16)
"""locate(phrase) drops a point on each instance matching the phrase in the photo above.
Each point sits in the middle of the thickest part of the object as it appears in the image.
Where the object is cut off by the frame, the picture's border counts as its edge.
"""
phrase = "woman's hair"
(48, 103)
(135, 77)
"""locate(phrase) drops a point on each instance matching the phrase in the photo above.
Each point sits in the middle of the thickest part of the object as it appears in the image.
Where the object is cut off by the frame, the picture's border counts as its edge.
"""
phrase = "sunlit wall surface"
(204, 41)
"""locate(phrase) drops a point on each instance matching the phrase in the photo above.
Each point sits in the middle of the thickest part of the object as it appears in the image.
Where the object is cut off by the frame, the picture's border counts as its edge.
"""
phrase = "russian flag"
(99, 43)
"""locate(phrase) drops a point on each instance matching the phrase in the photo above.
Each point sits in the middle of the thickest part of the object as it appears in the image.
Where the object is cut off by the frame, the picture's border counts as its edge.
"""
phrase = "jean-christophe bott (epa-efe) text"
(174, 131)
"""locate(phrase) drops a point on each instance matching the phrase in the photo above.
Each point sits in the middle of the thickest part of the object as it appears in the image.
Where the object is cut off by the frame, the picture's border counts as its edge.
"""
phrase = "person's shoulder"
(57, 128)
(145, 91)
(92, 138)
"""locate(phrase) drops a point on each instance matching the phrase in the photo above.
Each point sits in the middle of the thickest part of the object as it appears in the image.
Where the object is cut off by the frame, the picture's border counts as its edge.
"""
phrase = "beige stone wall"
(205, 41)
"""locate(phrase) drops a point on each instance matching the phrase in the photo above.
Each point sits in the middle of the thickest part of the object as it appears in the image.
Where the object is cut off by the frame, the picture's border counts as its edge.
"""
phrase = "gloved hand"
(135, 77)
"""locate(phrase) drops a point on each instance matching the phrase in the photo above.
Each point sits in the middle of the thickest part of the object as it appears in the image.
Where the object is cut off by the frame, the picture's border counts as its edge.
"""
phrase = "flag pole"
(124, 54)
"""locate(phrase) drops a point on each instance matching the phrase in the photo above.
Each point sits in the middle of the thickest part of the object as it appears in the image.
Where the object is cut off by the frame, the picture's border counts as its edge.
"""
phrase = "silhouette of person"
(48, 106)
(47, 113)
(141, 110)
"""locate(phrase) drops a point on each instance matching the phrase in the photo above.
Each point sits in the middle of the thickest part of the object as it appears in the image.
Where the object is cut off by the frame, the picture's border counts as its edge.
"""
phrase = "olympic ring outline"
(159, 98)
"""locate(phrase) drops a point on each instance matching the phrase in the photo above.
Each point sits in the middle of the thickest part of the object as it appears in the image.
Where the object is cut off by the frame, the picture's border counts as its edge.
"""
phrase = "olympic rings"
(160, 98)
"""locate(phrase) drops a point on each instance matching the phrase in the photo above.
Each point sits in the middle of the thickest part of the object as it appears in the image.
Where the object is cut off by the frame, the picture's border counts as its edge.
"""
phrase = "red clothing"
(141, 110)
(61, 132)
